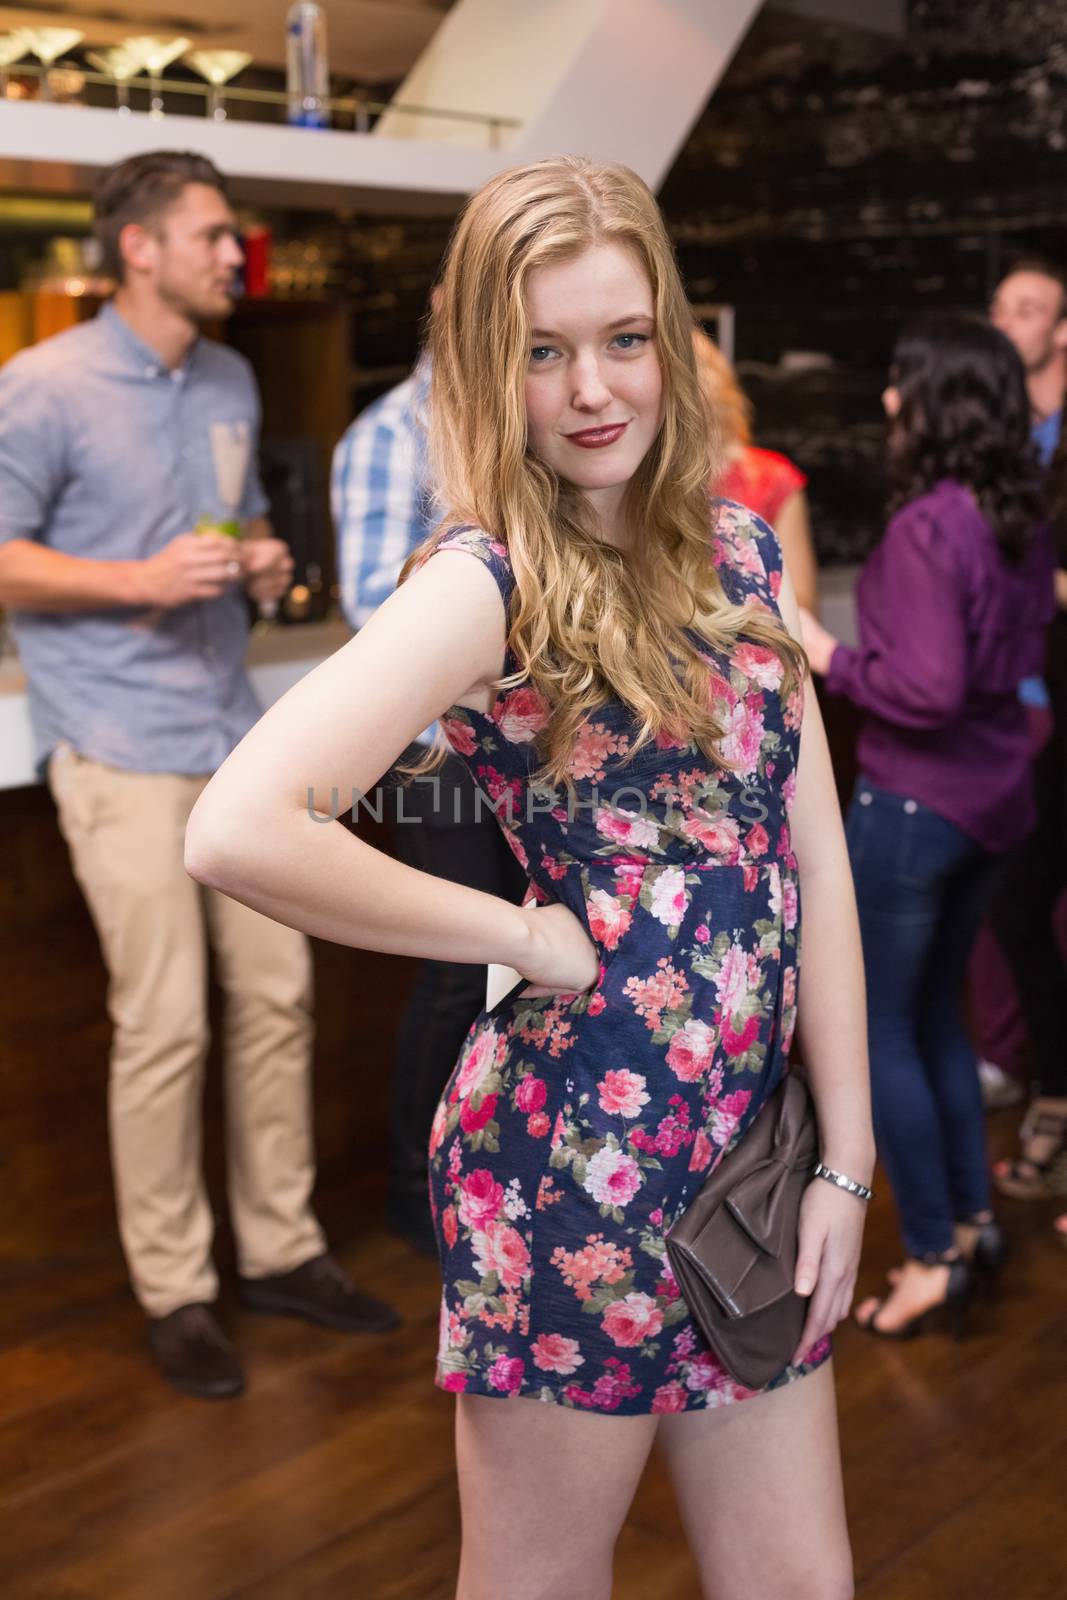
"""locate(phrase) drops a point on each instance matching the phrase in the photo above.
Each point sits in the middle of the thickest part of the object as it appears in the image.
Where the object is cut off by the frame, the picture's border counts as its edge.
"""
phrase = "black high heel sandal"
(988, 1258)
(951, 1311)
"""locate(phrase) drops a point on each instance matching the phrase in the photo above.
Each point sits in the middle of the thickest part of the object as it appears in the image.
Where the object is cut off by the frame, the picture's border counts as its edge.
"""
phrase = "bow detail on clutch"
(758, 1202)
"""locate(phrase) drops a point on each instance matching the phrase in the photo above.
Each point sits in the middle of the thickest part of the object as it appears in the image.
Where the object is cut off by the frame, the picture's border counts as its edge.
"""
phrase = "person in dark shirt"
(1029, 305)
(1025, 914)
(952, 608)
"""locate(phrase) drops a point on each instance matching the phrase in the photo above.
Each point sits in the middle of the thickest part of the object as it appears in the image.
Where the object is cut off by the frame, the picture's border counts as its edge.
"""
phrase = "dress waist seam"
(778, 863)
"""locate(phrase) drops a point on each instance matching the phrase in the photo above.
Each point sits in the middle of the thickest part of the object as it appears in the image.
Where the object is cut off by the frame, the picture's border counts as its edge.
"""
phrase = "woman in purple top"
(952, 609)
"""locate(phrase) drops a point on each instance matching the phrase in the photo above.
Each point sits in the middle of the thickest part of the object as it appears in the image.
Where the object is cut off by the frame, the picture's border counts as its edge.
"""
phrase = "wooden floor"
(332, 1479)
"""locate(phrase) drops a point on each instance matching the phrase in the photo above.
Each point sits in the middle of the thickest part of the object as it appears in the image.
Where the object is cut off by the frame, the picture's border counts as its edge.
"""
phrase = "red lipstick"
(597, 438)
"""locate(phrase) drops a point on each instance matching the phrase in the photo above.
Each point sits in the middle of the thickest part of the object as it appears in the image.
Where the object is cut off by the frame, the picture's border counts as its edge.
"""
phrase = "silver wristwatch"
(840, 1181)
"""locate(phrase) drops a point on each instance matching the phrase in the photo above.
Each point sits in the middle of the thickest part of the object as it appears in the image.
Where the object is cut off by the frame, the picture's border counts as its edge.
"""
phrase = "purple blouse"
(947, 630)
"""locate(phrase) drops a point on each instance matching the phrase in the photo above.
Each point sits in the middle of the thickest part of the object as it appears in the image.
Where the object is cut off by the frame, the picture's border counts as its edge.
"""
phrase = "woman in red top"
(764, 481)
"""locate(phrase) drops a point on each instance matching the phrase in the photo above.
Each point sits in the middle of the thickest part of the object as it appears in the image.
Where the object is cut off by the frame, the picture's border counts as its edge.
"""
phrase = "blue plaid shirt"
(380, 497)
(107, 454)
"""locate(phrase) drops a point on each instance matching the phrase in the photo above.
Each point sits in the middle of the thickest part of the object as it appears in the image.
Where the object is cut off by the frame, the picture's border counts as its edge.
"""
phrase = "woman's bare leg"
(759, 1489)
(544, 1491)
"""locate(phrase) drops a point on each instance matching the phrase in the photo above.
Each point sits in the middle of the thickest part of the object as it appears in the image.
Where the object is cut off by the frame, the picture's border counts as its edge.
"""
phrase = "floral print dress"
(575, 1129)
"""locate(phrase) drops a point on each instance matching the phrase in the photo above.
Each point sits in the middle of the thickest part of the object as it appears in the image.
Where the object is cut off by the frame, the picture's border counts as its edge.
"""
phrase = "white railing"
(352, 112)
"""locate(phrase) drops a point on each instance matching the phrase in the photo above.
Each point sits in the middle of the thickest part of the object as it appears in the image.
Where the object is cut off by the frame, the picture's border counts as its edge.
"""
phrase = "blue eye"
(540, 353)
(635, 340)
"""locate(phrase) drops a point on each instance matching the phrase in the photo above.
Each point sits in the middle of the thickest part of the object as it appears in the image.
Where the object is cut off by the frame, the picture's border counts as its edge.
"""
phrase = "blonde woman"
(763, 480)
(616, 659)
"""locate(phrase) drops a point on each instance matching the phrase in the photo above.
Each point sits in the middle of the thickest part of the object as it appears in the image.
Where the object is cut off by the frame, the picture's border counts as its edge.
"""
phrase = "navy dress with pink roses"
(575, 1129)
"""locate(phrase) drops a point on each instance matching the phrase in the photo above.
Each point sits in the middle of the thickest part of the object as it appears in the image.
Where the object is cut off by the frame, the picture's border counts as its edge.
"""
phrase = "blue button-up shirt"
(107, 454)
(1046, 435)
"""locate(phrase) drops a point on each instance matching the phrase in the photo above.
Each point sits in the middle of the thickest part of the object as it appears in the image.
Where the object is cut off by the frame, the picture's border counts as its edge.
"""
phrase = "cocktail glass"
(218, 67)
(12, 48)
(231, 450)
(47, 44)
(155, 53)
(121, 65)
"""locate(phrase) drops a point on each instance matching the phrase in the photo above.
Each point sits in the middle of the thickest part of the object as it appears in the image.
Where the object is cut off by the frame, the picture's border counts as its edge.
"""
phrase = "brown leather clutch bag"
(734, 1251)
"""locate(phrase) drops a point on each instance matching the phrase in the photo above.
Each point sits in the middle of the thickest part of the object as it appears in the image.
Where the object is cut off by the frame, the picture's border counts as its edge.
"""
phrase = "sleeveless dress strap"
(747, 553)
(476, 542)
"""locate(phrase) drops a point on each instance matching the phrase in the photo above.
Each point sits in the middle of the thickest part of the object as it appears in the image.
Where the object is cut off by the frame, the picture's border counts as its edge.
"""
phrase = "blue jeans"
(921, 886)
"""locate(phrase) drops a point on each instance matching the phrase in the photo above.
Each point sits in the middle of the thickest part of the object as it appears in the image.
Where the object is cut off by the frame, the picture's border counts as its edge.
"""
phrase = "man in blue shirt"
(117, 439)
(1030, 307)
(382, 510)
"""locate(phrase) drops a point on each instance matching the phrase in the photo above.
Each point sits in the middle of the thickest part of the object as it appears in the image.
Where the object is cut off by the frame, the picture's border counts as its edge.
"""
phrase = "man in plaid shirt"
(382, 509)
(381, 506)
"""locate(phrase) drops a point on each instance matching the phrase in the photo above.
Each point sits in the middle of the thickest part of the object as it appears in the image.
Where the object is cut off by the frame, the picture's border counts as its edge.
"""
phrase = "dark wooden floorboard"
(332, 1479)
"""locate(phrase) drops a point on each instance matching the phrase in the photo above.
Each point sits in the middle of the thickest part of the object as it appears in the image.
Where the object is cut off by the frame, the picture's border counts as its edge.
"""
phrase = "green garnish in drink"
(230, 528)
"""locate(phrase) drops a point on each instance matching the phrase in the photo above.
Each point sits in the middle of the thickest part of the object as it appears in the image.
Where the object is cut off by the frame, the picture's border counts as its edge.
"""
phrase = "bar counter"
(277, 658)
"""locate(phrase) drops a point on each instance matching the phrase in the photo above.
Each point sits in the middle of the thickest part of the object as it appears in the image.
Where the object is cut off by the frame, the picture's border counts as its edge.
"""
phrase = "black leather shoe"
(194, 1355)
(322, 1292)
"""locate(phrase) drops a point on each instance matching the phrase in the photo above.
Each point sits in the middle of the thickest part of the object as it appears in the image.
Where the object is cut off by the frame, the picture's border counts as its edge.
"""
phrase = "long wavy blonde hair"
(587, 621)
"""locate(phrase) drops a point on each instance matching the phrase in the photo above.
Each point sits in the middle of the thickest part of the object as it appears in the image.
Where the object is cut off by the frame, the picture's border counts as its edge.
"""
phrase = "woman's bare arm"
(832, 1012)
(255, 835)
(832, 1029)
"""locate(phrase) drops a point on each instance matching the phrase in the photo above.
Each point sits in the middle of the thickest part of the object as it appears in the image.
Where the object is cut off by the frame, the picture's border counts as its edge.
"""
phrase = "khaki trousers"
(126, 833)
